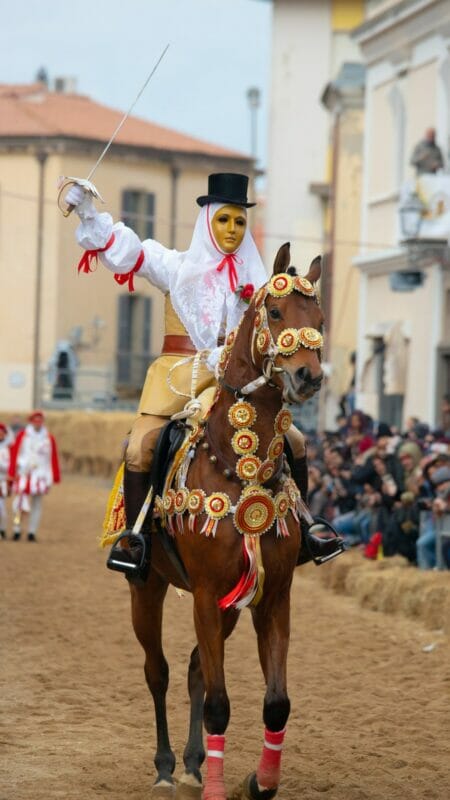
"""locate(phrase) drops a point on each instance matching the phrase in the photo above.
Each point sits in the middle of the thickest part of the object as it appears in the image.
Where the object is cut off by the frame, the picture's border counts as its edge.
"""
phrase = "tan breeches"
(144, 433)
(141, 442)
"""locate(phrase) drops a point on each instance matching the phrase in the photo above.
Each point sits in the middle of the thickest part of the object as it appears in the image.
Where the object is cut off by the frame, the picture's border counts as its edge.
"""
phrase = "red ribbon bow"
(127, 277)
(86, 260)
(230, 261)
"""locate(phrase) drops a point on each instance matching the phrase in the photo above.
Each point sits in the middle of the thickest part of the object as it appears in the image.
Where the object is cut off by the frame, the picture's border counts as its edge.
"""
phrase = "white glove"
(82, 200)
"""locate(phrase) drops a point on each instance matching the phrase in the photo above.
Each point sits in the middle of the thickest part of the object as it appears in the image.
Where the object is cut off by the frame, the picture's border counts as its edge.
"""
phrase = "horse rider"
(205, 289)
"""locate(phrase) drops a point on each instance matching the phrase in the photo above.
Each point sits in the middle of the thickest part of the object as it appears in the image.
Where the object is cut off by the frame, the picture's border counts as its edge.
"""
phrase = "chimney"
(65, 85)
(42, 76)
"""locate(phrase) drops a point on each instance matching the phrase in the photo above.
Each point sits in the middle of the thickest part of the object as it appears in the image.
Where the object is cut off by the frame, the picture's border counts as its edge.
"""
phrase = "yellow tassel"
(114, 522)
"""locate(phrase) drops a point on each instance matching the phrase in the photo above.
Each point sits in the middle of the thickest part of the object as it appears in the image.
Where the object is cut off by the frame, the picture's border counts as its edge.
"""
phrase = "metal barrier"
(442, 524)
(83, 388)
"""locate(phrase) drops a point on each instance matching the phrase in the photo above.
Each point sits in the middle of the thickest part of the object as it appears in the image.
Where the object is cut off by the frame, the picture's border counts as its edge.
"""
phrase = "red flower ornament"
(246, 292)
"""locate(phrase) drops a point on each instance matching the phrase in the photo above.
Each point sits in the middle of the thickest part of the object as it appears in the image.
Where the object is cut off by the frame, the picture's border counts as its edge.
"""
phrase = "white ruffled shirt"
(200, 294)
(34, 461)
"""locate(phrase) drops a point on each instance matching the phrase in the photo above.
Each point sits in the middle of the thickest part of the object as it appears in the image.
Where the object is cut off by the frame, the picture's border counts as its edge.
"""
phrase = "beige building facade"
(314, 166)
(403, 336)
(149, 178)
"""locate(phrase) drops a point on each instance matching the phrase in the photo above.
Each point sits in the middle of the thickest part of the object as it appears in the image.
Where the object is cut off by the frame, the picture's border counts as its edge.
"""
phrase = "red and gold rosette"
(310, 338)
(230, 340)
(245, 442)
(263, 341)
(266, 471)
(280, 285)
(169, 502)
(223, 359)
(281, 501)
(283, 422)
(247, 468)
(196, 501)
(260, 297)
(255, 513)
(304, 286)
(292, 491)
(241, 414)
(275, 448)
(217, 505)
(181, 498)
(288, 341)
(259, 320)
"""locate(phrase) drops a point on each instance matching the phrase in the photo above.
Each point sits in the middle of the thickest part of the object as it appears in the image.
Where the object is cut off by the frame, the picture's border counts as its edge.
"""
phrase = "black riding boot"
(313, 548)
(133, 560)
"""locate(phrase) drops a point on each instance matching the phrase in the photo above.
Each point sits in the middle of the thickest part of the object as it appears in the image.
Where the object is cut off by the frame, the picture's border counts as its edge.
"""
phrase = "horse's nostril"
(303, 374)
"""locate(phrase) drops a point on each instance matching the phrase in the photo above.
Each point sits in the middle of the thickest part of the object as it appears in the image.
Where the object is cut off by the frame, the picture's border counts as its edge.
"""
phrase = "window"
(133, 341)
(138, 212)
(390, 406)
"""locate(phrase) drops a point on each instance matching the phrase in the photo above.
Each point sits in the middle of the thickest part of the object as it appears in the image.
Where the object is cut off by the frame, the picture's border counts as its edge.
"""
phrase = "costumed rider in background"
(34, 468)
(207, 289)
(6, 438)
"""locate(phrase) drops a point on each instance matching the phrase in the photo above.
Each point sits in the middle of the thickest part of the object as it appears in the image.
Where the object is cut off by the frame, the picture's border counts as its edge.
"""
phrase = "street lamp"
(411, 213)
(254, 101)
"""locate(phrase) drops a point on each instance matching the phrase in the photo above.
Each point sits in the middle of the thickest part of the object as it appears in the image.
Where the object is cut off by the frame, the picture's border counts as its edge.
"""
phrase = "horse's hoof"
(163, 791)
(251, 792)
(188, 788)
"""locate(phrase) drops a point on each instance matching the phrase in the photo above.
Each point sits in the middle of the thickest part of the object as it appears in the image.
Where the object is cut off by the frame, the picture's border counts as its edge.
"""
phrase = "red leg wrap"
(268, 772)
(214, 785)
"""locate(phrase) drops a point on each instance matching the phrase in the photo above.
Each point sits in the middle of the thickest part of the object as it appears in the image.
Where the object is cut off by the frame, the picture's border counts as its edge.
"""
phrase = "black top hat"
(226, 187)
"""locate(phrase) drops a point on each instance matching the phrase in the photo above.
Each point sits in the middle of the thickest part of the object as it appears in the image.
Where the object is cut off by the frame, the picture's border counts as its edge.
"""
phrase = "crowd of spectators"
(383, 490)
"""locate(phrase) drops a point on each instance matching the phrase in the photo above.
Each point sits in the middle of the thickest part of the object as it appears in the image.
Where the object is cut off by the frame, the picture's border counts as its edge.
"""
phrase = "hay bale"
(392, 586)
(89, 442)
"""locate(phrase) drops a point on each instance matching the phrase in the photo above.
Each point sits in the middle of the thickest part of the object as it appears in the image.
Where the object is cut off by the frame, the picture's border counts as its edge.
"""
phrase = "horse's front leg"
(190, 784)
(211, 625)
(271, 621)
(146, 610)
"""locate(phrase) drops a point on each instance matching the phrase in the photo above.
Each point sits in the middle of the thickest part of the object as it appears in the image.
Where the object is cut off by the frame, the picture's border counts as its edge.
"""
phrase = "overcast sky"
(217, 51)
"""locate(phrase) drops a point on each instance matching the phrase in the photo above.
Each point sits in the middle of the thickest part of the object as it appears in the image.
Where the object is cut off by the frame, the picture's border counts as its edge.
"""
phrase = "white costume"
(34, 468)
(203, 303)
(4, 471)
(202, 281)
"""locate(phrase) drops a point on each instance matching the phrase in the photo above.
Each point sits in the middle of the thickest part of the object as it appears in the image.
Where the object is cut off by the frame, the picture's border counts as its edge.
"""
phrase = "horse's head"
(288, 325)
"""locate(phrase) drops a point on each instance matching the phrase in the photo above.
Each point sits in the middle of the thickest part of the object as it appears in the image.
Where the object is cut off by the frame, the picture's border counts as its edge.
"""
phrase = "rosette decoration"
(242, 414)
(255, 513)
(195, 506)
(217, 506)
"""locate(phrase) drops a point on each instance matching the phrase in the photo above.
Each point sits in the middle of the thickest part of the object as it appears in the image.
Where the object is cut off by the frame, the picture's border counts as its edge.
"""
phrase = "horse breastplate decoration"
(257, 508)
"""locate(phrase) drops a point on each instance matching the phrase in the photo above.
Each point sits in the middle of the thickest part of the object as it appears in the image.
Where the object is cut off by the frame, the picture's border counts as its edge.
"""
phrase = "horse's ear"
(282, 258)
(315, 270)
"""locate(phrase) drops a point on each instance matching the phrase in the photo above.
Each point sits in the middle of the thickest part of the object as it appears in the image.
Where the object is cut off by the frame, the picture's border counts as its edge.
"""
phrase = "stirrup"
(135, 572)
(336, 542)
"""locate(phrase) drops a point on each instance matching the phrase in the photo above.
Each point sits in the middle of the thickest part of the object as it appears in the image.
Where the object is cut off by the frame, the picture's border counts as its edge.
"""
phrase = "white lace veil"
(200, 294)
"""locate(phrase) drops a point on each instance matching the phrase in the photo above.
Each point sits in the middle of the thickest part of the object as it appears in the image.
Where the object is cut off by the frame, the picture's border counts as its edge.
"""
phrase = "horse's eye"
(274, 313)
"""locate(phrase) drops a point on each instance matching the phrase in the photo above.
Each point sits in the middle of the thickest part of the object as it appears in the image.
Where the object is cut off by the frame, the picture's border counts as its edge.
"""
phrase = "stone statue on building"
(427, 155)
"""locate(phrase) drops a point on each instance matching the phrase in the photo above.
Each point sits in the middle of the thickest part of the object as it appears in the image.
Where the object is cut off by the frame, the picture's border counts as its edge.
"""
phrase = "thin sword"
(86, 183)
(127, 114)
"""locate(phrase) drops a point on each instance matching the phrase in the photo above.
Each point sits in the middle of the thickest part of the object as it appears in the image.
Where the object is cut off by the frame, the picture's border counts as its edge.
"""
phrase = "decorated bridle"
(288, 341)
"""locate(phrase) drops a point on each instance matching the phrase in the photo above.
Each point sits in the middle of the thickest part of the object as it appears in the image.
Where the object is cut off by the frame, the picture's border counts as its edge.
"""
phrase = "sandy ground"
(370, 707)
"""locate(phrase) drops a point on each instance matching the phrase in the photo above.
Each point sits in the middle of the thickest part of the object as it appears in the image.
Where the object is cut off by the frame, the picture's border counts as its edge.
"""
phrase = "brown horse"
(235, 487)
